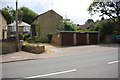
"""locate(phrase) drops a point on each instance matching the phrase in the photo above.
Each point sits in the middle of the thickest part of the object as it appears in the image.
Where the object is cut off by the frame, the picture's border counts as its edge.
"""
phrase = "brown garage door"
(67, 39)
(81, 38)
(93, 38)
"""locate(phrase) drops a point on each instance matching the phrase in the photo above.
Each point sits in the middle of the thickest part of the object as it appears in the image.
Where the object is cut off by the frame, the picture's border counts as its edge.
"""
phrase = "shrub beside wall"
(49, 37)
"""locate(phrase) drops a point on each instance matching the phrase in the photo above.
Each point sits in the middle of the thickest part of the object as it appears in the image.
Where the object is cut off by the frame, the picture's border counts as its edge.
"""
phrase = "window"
(26, 29)
(13, 28)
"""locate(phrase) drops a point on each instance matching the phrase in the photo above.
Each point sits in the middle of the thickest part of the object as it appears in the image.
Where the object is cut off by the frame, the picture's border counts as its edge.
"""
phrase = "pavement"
(52, 51)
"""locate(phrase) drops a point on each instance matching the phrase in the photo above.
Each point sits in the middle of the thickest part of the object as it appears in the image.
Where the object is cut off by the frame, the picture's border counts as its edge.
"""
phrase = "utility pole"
(17, 37)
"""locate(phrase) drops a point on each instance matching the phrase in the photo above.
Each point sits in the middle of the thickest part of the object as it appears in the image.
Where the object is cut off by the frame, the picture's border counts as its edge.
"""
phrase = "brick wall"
(70, 38)
(56, 39)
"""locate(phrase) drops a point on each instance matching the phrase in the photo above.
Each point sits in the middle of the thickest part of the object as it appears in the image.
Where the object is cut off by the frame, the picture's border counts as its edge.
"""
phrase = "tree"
(89, 21)
(97, 21)
(8, 13)
(105, 28)
(67, 25)
(26, 15)
(110, 9)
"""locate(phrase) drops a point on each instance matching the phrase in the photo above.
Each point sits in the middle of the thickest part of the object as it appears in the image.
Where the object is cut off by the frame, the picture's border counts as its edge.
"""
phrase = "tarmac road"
(98, 64)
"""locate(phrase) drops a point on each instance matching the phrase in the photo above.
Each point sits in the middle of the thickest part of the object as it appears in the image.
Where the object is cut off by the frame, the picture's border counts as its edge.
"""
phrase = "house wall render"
(3, 27)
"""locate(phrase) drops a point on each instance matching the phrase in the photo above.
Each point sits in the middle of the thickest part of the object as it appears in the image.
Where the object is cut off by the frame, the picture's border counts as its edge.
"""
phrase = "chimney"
(102, 18)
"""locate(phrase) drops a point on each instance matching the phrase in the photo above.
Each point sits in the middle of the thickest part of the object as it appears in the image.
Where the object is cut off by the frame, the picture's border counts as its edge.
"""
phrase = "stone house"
(3, 27)
(86, 25)
(46, 23)
(23, 28)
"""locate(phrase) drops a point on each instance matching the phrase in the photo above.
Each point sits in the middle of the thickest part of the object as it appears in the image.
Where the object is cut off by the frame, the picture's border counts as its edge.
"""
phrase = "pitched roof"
(19, 24)
(86, 26)
(3, 17)
(45, 13)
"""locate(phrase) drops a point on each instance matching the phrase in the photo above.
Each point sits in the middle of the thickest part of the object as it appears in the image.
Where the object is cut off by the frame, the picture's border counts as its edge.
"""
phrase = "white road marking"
(113, 62)
(50, 74)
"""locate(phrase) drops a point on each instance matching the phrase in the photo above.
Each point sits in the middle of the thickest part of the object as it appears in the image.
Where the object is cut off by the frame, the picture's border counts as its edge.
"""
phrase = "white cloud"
(76, 10)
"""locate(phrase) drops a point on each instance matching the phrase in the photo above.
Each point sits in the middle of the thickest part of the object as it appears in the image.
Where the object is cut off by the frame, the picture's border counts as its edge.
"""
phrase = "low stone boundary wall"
(9, 46)
(33, 48)
(110, 38)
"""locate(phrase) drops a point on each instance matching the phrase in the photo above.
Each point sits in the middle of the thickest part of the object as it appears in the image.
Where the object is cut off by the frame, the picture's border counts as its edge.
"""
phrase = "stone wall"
(3, 26)
(33, 48)
(109, 38)
(9, 46)
(49, 23)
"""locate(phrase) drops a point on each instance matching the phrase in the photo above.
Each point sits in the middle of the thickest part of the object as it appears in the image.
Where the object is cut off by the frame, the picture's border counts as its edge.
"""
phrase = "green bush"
(38, 29)
(41, 41)
(26, 36)
(106, 29)
(37, 41)
(20, 36)
(49, 37)
(95, 28)
(67, 25)
(98, 26)
(83, 30)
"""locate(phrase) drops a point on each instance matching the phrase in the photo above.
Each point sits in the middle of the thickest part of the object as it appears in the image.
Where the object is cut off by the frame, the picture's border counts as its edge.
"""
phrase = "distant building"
(86, 25)
(23, 28)
(47, 22)
(3, 27)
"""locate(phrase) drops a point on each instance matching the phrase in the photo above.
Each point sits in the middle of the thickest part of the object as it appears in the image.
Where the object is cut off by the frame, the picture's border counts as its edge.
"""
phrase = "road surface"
(98, 64)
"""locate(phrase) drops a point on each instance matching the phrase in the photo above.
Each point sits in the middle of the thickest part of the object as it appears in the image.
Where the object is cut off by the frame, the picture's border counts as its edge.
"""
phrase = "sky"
(75, 10)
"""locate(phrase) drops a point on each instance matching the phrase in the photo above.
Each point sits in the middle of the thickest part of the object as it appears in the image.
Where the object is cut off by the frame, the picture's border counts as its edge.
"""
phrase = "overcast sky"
(75, 10)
